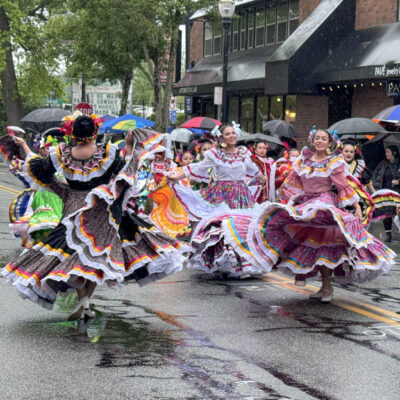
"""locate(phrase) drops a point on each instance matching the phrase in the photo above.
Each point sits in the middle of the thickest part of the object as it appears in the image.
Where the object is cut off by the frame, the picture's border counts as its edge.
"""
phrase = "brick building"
(308, 61)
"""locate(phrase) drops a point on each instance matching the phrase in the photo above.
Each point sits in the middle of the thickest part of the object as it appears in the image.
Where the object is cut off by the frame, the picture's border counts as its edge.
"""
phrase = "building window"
(247, 113)
(262, 112)
(290, 111)
(293, 15)
(217, 29)
(254, 28)
(235, 37)
(242, 31)
(271, 25)
(260, 27)
(233, 104)
(250, 30)
(282, 21)
(276, 107)
(208, 39)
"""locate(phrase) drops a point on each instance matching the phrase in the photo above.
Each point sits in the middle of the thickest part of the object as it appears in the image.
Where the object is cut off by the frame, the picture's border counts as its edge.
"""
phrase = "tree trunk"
(126, 84)
(11, 98)
(83, 89)
(168, 86)
(157, 95)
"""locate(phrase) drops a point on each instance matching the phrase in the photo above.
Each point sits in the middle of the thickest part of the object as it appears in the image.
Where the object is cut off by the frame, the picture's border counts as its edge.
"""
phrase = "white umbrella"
(181, 135)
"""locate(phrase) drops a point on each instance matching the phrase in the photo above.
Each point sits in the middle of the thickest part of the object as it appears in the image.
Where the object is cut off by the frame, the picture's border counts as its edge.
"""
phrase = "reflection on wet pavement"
(124, 340)
(126, 336)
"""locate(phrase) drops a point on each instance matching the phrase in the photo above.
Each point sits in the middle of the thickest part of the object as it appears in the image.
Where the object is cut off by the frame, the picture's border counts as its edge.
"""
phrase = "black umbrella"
(280, 129)
(255, 137)
(44, 118)
(356, 126)
(374, 150)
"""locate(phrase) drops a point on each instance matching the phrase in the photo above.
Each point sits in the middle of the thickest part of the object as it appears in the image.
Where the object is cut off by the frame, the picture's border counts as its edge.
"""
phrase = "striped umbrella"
(390, 114)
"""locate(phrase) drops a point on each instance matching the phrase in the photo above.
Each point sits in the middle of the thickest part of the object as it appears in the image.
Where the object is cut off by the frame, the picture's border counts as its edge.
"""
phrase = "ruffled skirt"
(300, 239)
(101, 242)
(34, 214)
(168, 214)
(211, 246)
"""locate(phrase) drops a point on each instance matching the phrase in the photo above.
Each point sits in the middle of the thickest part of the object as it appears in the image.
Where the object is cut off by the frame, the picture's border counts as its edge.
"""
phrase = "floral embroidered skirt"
(299, 239)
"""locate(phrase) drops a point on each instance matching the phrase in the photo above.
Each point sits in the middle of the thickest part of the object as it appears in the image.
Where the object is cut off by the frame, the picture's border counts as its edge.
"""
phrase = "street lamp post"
(226, 9)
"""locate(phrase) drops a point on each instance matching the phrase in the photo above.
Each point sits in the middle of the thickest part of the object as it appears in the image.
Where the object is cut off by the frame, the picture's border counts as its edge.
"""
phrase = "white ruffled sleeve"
(199, 171)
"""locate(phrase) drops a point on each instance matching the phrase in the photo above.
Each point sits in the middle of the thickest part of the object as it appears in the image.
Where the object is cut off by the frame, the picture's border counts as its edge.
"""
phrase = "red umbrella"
(201, 123)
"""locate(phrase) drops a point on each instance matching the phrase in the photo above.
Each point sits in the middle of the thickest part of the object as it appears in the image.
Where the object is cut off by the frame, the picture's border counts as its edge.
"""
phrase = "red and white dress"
(228, 195)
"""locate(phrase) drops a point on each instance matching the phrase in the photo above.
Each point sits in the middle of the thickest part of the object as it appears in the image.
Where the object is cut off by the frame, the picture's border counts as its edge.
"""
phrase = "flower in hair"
(216, 132)
(236, 128)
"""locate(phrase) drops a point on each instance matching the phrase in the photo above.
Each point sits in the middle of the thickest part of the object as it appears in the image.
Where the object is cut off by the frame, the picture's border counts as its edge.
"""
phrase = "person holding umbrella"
(264, 164)
(387, 176)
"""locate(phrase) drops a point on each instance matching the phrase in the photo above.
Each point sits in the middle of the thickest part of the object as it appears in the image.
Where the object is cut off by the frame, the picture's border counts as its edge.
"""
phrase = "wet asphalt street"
(195, 336)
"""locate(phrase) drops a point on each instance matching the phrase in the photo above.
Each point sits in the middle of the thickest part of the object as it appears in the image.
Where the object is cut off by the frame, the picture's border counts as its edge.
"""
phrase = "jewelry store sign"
(393, 88)
(386, 71)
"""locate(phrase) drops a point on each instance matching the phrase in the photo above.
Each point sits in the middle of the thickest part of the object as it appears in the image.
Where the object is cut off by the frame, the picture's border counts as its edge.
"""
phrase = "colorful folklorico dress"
(99, 238)
(313, 229)
(168, 214)
(264, 165)
(226, 196)
(33, 214)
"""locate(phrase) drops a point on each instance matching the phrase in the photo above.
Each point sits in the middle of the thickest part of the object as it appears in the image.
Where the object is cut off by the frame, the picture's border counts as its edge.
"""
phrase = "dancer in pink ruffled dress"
(313, 234)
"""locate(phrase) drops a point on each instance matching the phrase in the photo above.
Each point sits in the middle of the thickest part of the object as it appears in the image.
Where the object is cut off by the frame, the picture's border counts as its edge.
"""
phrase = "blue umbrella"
(390, 114)
(125, 122)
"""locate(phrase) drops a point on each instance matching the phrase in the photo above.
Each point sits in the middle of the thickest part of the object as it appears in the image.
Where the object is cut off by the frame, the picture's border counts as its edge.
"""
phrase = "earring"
(328, 151)
(223, 145)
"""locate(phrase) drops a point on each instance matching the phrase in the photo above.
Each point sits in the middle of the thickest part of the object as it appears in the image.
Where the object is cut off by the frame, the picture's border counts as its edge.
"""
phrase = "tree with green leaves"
(27, 73)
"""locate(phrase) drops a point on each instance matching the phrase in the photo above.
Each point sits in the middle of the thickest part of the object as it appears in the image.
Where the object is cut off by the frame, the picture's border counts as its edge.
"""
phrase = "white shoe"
(78, 311)
(327, 296)
(317, 295)
(86, 308)
(322, 295)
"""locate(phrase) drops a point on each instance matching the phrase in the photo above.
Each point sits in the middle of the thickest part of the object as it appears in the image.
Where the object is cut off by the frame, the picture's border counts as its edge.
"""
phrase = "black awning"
(289, 69)
(246, 71)
(369, 54)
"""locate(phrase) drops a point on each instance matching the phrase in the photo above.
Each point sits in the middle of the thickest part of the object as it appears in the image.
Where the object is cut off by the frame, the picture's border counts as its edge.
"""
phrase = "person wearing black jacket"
(387, 176)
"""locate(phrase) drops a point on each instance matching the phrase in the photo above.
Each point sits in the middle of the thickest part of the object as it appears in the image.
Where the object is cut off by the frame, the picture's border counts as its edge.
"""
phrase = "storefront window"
(260, 27)
(271, 25)
(207, 39)
(242, 31)
(290, 111)
(282, 13)
(217, 29)
(262, 112)
(250, 31)
(233, 109)
(247, 114)
(276, 107)
(293, 15)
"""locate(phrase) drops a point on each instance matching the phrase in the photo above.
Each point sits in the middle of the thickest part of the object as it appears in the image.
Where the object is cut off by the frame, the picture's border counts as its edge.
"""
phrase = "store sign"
(218, 95)
(393, 88)
(172, 116)
(189, 104)
(188, 90)
(385, 71)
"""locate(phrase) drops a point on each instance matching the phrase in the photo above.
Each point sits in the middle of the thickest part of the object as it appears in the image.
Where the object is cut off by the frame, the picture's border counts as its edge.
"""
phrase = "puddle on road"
(121, 342)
